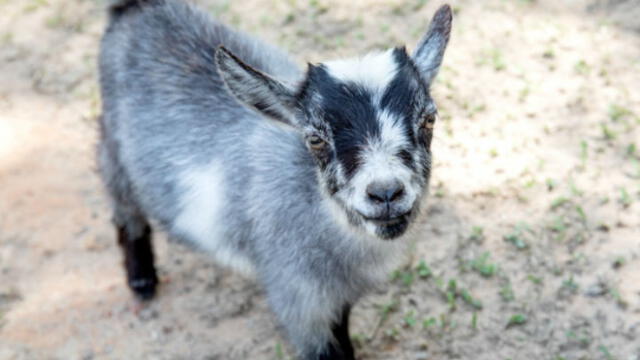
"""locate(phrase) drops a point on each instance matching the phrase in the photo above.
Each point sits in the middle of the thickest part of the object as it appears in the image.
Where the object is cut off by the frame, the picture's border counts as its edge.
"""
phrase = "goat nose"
(385, 192)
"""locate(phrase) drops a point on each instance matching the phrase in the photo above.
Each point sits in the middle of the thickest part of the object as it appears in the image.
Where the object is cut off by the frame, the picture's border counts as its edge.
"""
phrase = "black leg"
(138, 261)
(341, 349)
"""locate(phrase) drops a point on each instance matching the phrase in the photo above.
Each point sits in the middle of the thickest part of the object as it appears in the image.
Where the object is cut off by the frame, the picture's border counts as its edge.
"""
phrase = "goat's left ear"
(428, 55)
(256, 89)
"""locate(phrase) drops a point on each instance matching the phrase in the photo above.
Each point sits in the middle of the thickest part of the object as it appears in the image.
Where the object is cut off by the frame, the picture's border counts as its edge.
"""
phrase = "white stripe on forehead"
(380, 156)
(393, 135)
(374, 70)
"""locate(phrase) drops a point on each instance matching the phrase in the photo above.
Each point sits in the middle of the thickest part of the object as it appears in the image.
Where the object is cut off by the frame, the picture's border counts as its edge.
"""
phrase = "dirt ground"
(532, 245)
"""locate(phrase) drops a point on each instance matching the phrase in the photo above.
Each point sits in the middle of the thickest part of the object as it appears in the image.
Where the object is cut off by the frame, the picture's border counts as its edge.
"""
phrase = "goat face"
(367, 122)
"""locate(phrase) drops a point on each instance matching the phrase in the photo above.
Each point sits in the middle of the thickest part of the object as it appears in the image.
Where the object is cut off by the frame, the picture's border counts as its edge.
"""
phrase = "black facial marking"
(350, 113)
(402, 96)
(406, 157)
(425, 138)
(399, 95)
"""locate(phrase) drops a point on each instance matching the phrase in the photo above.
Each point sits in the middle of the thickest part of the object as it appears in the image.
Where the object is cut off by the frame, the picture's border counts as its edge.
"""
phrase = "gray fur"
(173, 136)
(428, 55)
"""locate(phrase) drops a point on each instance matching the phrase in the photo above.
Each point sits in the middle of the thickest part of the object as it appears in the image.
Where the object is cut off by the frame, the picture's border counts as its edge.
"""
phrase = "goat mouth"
(388, 228)
(386, 219)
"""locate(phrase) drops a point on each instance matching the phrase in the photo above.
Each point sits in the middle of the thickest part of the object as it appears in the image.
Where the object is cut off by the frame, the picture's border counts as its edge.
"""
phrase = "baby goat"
(308, 180)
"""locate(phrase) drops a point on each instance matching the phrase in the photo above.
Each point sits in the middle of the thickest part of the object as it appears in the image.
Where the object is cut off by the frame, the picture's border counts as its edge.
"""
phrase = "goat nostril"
(397, 194)
(375, 198)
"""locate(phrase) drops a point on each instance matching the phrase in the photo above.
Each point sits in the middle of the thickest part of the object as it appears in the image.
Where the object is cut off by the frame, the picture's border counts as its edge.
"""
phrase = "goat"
(309, 181)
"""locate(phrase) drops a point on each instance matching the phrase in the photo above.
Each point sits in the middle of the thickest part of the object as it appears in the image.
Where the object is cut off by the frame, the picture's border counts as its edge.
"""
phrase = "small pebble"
(596, 290)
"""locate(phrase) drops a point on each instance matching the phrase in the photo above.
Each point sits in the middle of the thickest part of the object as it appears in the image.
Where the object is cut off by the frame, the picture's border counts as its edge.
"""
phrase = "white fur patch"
(392, 133)
(200, 218)
(374, 70)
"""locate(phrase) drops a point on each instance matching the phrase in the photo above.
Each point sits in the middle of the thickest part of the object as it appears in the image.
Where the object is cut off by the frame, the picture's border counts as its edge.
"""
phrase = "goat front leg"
(316, 324)
(341, 347)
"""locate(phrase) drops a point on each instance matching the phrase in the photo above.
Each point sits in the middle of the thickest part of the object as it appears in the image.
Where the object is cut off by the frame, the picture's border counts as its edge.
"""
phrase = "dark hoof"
(144, 288)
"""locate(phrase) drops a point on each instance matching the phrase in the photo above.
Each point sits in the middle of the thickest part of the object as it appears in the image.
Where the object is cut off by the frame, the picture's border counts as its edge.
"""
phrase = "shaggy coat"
(309, 181)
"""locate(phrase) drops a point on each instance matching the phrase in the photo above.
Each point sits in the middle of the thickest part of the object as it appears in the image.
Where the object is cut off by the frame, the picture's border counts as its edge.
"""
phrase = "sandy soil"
(532, 246)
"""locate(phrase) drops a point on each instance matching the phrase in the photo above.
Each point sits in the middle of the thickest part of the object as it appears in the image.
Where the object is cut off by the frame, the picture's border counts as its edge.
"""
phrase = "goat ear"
(428, 55)
(254, 88)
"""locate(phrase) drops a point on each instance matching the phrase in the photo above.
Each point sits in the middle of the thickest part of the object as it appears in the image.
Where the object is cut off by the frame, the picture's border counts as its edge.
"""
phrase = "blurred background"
(530, 251)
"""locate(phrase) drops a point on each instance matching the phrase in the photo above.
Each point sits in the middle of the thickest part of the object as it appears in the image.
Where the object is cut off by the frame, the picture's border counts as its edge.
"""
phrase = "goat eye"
(316, 142)
(428, 121)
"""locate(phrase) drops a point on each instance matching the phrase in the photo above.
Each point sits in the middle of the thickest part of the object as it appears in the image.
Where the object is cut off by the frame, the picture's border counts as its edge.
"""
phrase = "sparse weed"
(419, 4)
(574, 188)
(559, 226)
(279, 351)
(523, 94)
(617, 112)
(474, 321)
(631, 150)
(392, 333)
(551, 184)
(477, 233)
(530, 183)
(570, 285)
(451, 293)
(534, 279)
(607, 133)
(423, 270)
(516, 237)
(477, 109)
(581, 213)
(605, 351)
(625, 198)
(470, 300)
(494, 58)
(429, 323)
(497, 60)
(406, 277)
(636, 164)
(387, 309)
(584, 152)
(482, 265)
(35, 5)
(506, 292)
(55, 21)
(615, 294)
(409, 319)
(584, 339)
(581, 68)
(558, 202)
(517, 319)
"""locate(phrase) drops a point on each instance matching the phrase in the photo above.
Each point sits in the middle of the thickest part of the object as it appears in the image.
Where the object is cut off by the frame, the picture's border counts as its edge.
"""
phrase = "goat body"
(308, 181)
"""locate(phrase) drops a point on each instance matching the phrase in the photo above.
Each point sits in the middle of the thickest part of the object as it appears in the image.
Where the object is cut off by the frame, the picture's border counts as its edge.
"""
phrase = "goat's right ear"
(256, 89)
(430, 50)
